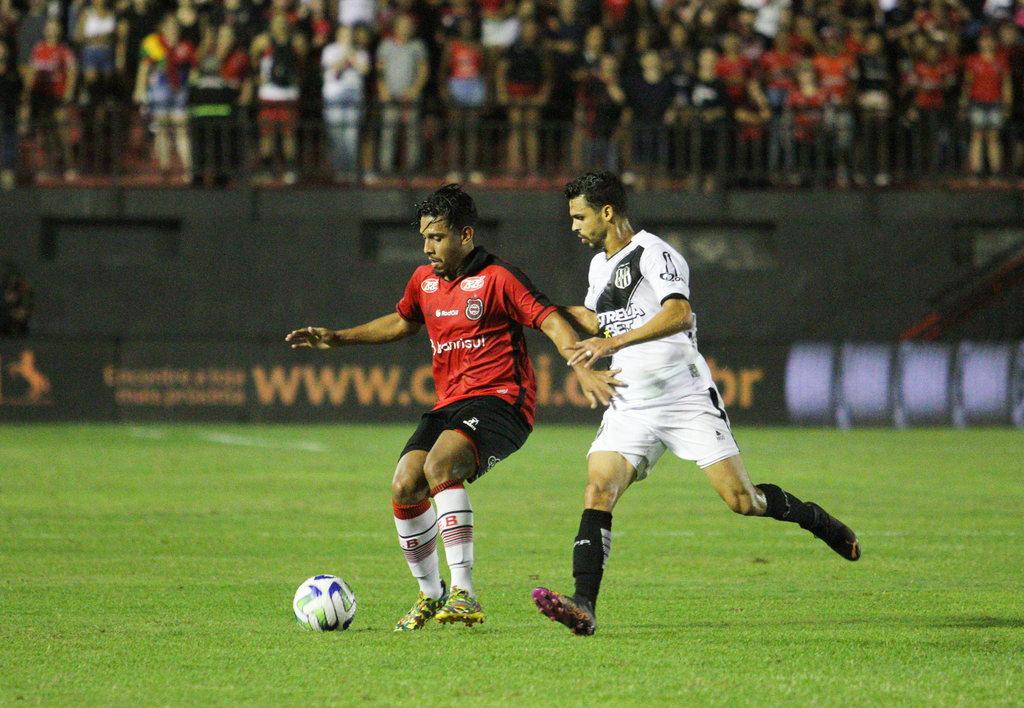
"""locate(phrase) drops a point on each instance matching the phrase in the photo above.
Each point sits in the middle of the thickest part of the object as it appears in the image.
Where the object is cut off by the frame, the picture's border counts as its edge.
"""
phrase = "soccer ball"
(324, 603)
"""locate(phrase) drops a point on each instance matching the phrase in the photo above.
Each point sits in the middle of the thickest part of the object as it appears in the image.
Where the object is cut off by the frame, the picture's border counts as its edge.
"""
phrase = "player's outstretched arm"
(598, 386)
(382, 330)
(581, 319)
(675, 316)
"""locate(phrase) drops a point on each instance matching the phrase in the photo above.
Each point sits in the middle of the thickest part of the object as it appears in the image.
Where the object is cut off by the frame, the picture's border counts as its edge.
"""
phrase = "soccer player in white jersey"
(637, 311)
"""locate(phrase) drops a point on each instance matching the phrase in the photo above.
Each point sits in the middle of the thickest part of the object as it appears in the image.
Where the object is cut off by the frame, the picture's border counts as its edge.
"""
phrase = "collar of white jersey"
(628, 248)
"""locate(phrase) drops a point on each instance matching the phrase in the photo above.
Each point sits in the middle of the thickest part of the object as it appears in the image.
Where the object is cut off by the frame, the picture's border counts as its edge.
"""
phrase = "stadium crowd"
(765, 91)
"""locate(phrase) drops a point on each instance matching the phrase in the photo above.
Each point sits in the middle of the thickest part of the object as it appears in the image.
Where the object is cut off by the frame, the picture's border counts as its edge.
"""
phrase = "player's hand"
(312, 337)
(598, 386)
(590, 350)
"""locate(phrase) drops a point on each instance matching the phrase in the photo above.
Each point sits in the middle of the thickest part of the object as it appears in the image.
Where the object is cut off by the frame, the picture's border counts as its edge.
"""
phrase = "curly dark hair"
(599, 189)
(450, 205)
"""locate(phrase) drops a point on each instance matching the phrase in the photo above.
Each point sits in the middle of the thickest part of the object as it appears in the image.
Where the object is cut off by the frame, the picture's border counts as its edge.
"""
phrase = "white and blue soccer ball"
(324, 603)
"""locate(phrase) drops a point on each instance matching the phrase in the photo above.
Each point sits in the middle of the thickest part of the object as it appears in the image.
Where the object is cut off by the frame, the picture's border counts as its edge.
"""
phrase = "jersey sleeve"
(409, 306)
(526, 304)
(666, 271)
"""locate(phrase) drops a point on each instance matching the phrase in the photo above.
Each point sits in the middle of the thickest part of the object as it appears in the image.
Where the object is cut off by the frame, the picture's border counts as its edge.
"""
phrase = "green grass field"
(155, 566)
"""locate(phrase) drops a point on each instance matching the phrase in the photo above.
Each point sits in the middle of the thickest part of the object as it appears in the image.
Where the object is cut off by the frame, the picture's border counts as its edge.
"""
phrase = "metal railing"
(394, 144)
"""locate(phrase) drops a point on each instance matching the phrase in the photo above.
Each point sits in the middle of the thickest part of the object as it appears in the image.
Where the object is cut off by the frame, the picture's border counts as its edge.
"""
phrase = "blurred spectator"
(874, 101)
(96, 36)
(161, 89)
(988, 96)
(402, 73)
(51, 80)
(242, 18)
(12, 101)
(278, 54)
(733, 69)
(30, 30)
(836, 70)
(136, 21)
(926, 86)
(220, 84)
(807, 104)
(524, 81)
(465, 93)
(565, 38)
(345, 68)
(778, 69)
(649, 98)
(1012, 51)
(710, 103)
(17, 295)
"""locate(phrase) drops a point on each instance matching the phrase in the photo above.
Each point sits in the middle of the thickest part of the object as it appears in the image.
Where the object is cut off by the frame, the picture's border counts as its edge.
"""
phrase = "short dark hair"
(599, 189)
(450, 205)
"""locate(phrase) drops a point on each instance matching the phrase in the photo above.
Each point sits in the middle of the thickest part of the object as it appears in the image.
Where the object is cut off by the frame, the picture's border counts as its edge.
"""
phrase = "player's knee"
(741, 503)
(408, 485)
(600, 494)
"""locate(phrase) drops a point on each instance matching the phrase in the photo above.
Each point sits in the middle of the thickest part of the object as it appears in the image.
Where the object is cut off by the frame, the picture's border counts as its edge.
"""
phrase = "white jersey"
(626, 291)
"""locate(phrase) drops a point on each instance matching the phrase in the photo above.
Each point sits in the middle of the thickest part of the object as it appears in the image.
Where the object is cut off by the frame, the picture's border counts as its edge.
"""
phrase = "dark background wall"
(243, 264)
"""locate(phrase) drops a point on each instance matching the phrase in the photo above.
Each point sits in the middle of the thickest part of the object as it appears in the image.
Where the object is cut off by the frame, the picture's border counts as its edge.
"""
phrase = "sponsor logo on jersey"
(429, 285)
(492, 461)
(445, 347)
(671, 273)
(472, 423)
(471, 284)
(618, 321)
(694, 371)
(445, 313)
(623, 276)
(474, 308)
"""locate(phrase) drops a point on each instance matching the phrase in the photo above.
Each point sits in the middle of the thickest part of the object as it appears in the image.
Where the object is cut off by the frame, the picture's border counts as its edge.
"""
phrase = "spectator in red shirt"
(464, 89)
(987, 95)
(51, 78)
(807, 104)
(836, 70)
(733, 69)
(926, 85)
(524, 79)
(778, 73)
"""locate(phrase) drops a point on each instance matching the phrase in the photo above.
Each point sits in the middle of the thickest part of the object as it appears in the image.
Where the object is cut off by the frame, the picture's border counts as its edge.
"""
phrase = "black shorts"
(494, 427)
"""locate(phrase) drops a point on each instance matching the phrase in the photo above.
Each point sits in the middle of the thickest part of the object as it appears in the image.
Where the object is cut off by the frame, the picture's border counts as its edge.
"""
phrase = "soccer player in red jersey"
(474, 306)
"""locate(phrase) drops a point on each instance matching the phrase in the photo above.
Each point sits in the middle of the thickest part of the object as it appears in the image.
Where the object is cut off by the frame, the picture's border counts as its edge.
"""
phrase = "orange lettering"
(367, 387)
(334, 386)
(418, 387)
(269, 388)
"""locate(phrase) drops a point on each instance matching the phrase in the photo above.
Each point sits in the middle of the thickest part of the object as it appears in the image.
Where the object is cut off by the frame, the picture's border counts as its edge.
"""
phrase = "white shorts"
(693, 427)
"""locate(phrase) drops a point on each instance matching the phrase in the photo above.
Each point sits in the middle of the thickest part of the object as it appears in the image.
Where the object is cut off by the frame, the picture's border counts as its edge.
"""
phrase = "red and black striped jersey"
(475, 324)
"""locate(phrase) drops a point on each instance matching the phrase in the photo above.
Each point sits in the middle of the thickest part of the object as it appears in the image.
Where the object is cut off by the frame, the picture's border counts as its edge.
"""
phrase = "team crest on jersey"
(623, 276)
(474, 308)
(429, 285)
(471, 284)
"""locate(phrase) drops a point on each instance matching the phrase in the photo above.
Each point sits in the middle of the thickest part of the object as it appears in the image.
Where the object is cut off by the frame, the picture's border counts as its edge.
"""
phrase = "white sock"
(417, 535)
(455, 522)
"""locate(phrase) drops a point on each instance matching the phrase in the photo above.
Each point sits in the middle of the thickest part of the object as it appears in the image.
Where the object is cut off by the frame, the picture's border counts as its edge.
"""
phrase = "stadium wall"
(172, 304)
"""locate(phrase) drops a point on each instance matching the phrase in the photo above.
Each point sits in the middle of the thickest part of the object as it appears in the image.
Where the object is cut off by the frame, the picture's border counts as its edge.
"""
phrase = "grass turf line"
(155, 566)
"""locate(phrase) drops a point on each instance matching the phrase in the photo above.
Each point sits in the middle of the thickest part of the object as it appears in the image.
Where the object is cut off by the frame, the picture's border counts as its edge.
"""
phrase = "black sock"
(785, 507)
(593, 542)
